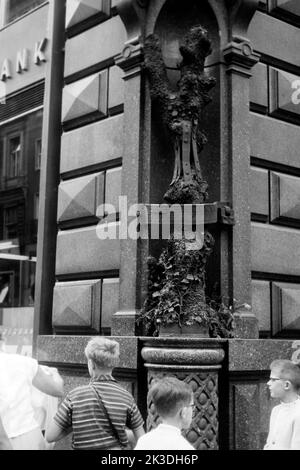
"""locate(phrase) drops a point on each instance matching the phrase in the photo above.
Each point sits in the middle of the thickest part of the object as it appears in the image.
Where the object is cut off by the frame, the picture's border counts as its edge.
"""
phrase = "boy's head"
(284, 378)
(102, 353)
(173, 400)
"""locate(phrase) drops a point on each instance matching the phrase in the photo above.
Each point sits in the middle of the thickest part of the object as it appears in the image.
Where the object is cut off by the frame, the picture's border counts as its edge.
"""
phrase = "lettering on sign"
(22, 60)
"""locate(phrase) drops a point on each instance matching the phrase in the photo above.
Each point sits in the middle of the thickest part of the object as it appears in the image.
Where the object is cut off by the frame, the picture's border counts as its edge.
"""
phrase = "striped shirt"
(91, 430)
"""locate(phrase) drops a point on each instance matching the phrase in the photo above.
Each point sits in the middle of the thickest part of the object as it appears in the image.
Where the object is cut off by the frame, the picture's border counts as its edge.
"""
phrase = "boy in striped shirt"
(98, 413)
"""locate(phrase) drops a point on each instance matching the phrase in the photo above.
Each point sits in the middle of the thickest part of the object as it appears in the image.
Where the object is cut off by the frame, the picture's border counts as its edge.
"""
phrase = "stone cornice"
(181, 356)
(183, 352)
(130, 59)
(240, 57)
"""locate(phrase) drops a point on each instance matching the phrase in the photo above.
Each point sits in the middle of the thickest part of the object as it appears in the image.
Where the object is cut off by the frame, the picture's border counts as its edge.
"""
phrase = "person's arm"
(54, 432)
(138, 432)
(51, 384)
(61, 425)
(4, 441)
(136, 425)
(268, 445)
(295, 442)
(133, 435)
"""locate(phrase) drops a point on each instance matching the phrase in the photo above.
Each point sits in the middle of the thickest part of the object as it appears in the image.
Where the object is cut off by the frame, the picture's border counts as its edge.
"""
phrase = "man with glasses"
(284, 384)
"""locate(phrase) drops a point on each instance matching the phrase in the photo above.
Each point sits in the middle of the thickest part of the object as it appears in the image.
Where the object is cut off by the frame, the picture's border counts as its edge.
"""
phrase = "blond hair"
(287, 370)
(103, 352)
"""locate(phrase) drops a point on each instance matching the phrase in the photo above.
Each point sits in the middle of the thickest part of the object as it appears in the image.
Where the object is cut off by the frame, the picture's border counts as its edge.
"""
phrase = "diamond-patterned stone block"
(285, 307)
(80, 10)
(85, 96)
(80, 197)
(77, 305)
(283, 87)
(285, 198)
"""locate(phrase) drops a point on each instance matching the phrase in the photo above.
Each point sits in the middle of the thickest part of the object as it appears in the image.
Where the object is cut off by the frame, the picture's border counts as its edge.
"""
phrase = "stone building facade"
(102, 139)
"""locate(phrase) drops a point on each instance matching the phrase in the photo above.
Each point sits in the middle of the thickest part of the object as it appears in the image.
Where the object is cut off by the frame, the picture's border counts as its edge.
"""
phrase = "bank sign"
(24, 52)
(24, 59)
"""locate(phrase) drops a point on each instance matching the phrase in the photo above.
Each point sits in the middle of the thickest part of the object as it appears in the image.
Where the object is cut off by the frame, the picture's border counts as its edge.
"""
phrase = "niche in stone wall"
(174, 21)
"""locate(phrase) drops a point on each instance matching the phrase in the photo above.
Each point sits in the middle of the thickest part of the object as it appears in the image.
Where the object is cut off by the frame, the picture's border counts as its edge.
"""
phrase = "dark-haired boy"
(173, 400)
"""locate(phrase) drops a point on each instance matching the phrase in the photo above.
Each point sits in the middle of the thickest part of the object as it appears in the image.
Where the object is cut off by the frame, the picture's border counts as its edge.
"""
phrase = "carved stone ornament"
(181, 110)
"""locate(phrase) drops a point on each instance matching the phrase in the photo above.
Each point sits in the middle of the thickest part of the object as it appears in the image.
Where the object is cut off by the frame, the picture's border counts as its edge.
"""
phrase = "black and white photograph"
(149, 228)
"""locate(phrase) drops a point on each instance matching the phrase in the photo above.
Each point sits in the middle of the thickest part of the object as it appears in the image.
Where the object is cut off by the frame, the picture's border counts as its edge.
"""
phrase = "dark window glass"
(14, 157)
(38, 153)
(17, 8)
(11, 223)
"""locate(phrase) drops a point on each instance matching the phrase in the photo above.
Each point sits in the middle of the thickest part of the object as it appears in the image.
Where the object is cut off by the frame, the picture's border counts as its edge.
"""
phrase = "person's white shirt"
(284, 432)
(163, 437)
(16, 375)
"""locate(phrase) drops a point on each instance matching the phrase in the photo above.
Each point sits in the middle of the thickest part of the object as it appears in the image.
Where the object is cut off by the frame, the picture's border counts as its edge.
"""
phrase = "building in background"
(23, 30)
(78, 130)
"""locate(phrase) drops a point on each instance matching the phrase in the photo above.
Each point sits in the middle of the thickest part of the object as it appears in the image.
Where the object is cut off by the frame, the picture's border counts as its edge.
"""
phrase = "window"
(11, 222)
(14, 156)
(38, 154)
(13, 9)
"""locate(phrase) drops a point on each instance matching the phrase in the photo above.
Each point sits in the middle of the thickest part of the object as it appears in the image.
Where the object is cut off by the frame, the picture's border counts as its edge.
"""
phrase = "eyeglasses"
(273, 379)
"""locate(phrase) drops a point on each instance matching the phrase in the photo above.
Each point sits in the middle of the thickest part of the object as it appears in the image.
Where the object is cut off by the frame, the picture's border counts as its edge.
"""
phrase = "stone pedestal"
(197, 362)
(246, 326)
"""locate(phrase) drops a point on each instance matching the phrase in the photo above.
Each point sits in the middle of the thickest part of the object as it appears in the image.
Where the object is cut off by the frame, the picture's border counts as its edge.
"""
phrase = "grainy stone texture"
(77, 304)
(259, 191)
(259, 85)
(69, 350)
(246, 326)
(266, 34)
(110, 301)
(115, 87)
(93, 144)
(90, 49)
(268, 242)
(261, 304)
(101, 255)
(113, 187)
(80, 197)
(274, 140)
(285, 197)
(257, 354)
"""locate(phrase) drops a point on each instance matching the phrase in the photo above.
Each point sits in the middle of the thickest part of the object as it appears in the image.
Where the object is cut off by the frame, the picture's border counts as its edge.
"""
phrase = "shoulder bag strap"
(114, 431)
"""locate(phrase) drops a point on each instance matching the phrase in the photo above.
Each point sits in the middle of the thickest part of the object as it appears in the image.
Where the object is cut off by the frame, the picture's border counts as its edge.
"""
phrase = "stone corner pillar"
(135, 171)
(198, 362)
(240, 57)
